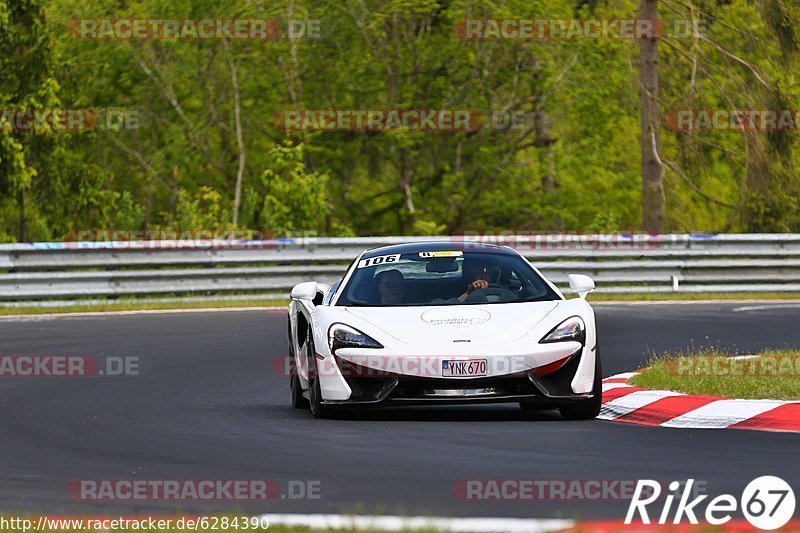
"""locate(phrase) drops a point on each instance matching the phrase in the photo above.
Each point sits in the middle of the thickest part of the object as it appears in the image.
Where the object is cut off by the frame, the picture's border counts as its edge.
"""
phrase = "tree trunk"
(544, 142)
(652, 169)
(406, 176)
(173, 200)
(21, 237)
(149, 206)
(237, 113)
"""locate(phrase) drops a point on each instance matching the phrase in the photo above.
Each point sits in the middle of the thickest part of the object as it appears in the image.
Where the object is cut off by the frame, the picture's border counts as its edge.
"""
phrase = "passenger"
(391, 285)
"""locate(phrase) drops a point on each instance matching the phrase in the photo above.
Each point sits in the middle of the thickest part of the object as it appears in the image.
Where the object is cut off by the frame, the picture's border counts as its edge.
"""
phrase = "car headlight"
(572, 329)
(341, 336)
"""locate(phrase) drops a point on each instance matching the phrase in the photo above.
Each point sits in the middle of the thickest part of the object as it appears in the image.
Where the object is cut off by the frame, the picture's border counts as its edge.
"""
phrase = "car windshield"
(443, 278)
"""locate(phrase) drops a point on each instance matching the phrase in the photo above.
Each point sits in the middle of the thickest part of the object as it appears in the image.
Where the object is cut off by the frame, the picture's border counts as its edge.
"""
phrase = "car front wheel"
(298, 400)
(589, 408)
(318, 409)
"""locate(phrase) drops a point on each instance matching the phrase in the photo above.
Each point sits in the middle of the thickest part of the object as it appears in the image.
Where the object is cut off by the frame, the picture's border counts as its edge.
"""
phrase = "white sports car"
(444, 322)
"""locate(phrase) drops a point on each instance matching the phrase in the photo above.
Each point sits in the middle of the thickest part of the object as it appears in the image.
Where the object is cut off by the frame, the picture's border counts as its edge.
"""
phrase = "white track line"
(609, 303)
(625, 375)
(747, 308)
(401, 523)
(89, 314)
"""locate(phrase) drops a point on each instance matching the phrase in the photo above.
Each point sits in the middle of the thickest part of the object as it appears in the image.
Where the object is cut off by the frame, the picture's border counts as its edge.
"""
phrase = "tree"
(652, 168)
(206, 148)
(26, 85)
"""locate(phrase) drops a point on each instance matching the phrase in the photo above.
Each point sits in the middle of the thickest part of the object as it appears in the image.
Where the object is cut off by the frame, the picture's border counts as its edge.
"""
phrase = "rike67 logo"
(767, 502)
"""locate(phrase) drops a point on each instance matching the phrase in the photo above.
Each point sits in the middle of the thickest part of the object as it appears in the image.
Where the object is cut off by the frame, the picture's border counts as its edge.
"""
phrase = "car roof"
(438, 246)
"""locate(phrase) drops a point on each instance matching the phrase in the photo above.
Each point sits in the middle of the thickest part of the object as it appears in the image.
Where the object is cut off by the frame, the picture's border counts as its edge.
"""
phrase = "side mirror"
(304, 291)
(581, 285)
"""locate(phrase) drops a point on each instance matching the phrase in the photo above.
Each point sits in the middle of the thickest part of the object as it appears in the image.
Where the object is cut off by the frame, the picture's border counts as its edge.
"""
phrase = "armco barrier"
(635, 263)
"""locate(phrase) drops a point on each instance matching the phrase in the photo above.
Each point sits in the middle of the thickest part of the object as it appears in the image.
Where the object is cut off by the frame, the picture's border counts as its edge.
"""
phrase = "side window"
(513, 282)
(332, 292)
(534, 287)
(318, 298)
(335, 285)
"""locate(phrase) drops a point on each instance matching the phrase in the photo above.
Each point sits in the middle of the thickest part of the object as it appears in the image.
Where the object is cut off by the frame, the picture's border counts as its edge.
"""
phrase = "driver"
(391, 286)
(477, 273)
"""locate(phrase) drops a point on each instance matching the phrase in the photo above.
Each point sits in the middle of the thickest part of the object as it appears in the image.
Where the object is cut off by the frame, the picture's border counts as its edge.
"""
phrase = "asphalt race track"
(209, 406)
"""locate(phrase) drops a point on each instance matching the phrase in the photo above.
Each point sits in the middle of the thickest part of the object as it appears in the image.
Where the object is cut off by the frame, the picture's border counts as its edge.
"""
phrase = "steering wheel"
(494, 289)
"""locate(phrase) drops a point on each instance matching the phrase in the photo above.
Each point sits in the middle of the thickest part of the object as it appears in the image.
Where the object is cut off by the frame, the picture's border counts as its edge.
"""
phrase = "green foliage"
(201, 210)
(772, 374)
(128, 214)
(25, 84)
(179, 168)
(296, 198)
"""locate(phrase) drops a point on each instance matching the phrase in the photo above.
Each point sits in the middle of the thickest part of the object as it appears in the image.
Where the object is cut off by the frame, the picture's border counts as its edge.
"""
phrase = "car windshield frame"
(512, 278)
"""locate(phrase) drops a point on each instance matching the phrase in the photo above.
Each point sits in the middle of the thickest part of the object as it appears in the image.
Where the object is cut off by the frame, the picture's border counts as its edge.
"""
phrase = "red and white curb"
(623, 402)
(409, 524)
(734, 526)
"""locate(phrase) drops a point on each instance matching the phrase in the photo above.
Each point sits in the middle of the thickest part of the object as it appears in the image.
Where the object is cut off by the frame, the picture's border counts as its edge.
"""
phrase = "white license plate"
(462, 368)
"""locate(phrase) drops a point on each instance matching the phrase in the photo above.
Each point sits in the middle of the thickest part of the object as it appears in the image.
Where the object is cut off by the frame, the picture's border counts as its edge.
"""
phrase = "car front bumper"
(374, 384)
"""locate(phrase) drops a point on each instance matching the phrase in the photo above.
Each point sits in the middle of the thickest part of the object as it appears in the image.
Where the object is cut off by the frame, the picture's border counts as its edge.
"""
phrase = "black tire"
(298, 400)
(318, 409)
(589, 408)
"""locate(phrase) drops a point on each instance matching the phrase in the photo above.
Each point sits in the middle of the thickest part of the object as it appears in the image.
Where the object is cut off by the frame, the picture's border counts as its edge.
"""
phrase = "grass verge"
(133, 305)
(211, 303)
(691, 296)
(272, 529)
(772, 374)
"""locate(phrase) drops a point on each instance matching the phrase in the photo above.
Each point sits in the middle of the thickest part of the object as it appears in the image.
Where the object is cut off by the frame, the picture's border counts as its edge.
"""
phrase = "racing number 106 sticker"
(380, 260)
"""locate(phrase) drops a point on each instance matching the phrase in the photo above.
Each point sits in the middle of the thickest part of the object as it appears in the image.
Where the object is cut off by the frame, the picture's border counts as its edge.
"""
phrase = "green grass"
(774, 374)
(271, 529)
(133, 305)
(692, 296)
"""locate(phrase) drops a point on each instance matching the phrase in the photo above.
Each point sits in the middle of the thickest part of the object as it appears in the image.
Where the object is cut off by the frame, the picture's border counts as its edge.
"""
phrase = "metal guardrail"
(618, 263)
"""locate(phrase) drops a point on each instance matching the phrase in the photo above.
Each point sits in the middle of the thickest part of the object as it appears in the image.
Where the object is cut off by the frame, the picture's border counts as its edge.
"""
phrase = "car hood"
(476, 324)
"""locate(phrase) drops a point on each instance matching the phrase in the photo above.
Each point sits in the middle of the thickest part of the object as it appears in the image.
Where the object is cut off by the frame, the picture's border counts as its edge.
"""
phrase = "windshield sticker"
(380, 260)
(454, 253)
